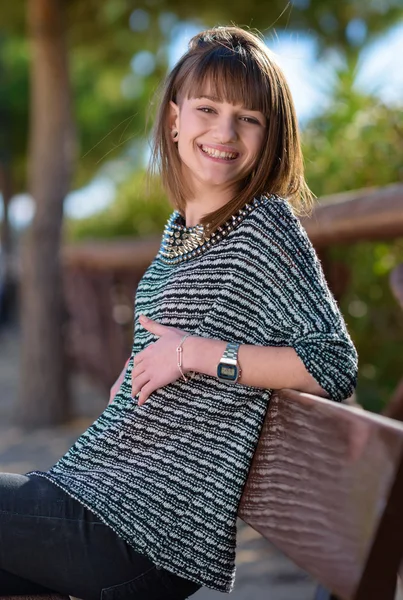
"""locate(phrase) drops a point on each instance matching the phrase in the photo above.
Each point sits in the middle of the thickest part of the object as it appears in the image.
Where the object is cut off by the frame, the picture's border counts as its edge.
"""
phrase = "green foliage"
(100, 48)
(375, 319)
(14, 94)
(108, 121)
(357, 143)
(139, 210)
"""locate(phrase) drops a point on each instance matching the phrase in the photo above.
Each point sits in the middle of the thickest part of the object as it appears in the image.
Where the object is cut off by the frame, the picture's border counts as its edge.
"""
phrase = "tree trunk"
(5, 189)
(7, 279)
(44, 393)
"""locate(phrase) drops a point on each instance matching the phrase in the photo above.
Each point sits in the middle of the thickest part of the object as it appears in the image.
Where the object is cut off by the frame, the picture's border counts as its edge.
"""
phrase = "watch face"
(228, 372)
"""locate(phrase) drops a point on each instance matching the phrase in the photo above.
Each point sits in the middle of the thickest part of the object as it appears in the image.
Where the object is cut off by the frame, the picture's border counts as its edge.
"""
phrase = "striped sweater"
(168, 476)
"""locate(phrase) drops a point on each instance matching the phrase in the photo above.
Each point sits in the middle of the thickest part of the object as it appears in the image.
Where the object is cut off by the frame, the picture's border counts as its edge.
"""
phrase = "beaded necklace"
(181, 243)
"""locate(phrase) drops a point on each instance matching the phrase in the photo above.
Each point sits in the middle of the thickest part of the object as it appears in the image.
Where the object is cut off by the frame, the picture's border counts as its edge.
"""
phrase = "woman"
(234, 305)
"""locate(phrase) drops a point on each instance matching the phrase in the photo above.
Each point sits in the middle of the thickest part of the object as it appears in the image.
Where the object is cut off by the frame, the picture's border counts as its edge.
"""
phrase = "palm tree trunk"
(44, 393)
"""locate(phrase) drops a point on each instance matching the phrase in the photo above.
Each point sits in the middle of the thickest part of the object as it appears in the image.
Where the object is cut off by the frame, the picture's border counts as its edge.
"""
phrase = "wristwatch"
(228, 369)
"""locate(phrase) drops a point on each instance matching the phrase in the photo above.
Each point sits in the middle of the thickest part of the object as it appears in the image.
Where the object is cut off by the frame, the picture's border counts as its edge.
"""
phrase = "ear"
(173, 115)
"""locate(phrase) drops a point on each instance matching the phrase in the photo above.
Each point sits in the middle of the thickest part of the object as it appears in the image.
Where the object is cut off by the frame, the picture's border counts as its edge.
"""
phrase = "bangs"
(230, 76)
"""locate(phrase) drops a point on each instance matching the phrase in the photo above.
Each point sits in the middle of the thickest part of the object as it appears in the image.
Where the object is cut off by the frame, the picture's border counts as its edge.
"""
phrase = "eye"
(206, 109)
(251, 120)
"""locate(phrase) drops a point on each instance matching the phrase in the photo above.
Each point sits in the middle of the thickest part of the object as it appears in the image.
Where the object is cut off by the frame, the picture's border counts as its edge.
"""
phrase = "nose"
(225, 130)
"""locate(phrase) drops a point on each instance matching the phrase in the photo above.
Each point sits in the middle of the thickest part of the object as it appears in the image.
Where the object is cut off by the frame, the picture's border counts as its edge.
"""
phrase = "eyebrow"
(219, 100)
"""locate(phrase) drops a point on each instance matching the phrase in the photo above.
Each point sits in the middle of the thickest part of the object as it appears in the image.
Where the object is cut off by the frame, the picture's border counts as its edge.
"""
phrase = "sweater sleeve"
(301, 304)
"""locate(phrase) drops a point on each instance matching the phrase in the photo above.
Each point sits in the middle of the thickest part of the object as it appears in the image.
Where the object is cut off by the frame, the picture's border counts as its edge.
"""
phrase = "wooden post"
(43, 398)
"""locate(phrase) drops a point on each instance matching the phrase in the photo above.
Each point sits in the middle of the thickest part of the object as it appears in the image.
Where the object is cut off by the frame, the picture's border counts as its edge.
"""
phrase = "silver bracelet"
(179, 352)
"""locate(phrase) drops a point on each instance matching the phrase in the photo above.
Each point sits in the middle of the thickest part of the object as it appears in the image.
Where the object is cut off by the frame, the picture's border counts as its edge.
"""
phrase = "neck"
(206, 201)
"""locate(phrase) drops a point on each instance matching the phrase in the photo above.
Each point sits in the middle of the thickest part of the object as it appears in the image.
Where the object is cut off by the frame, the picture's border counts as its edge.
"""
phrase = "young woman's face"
(219, 143)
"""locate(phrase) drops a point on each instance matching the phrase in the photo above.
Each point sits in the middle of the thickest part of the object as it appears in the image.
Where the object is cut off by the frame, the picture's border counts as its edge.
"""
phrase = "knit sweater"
(168, 476)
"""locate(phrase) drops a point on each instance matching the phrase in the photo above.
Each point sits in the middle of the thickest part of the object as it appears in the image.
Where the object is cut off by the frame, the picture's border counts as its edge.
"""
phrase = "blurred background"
(78, 89)
(79, 225)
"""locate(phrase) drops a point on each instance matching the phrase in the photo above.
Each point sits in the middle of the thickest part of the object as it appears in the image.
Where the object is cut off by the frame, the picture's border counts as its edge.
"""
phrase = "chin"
(219, 181)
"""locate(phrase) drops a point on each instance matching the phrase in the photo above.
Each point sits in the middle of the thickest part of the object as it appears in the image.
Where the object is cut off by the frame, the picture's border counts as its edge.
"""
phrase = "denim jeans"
(49, 542)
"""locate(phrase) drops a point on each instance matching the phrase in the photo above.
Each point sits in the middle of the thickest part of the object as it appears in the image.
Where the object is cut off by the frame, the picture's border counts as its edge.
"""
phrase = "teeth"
(217, 154)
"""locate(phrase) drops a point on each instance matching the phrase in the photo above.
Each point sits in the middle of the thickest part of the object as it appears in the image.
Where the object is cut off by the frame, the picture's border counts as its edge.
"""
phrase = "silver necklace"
(181, 243)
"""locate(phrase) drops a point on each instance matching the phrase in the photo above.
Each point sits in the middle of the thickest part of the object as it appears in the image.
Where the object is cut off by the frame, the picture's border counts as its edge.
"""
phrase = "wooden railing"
(369, 214)
(100, 284)
(101, 277)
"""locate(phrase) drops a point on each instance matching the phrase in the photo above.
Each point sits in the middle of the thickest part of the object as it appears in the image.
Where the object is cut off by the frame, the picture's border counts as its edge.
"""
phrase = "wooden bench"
(326, 487)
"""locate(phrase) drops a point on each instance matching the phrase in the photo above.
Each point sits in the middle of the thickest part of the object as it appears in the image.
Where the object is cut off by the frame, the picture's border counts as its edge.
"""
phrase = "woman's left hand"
(156, 366)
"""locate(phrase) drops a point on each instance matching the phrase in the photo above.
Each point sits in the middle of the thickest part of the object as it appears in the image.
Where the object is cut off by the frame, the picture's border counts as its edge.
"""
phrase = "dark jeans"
(50, 542)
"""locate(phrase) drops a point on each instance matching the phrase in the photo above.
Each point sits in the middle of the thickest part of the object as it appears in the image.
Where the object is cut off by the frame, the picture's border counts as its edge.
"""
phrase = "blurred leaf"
(139, 210)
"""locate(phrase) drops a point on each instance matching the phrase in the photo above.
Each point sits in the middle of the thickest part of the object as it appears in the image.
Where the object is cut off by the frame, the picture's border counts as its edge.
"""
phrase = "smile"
(214, 153)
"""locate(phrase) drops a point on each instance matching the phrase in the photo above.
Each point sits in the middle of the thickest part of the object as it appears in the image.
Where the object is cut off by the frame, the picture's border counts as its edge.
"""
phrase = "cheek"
(185, 155)
(187, 142)
(183, 149)
(258, 142)
(254, 147)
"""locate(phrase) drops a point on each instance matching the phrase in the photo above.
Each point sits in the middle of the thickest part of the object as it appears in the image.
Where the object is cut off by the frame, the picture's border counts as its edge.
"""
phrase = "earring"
(175, 134)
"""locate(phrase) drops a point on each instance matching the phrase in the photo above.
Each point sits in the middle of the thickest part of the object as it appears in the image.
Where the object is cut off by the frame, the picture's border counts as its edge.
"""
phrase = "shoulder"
(279, 232)
(275, 216)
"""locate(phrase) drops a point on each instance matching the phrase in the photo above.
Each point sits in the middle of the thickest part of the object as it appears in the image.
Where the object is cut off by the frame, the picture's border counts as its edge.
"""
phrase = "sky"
(380, 73)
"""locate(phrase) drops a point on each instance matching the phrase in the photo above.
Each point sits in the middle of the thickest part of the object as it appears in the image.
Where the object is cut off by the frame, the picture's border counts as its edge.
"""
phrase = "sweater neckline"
(181, 244)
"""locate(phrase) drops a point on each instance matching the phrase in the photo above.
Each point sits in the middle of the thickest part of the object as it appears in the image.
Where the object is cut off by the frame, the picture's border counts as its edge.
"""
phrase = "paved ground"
(262, 572)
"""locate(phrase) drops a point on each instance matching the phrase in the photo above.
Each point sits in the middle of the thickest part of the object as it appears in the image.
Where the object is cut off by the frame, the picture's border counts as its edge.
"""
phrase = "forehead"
(228, 79)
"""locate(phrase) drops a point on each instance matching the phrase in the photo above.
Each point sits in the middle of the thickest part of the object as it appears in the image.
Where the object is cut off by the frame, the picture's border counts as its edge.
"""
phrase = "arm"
(262, 366)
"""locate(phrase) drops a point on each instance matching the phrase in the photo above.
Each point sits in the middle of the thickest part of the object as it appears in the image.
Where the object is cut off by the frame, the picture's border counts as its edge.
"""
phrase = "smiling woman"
(236, 294)
(243, 86)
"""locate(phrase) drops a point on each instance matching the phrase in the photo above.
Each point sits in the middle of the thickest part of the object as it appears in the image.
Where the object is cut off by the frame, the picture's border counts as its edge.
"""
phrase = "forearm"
(267, 367)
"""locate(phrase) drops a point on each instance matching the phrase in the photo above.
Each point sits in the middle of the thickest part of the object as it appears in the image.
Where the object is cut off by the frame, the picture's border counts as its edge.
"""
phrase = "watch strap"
(231, 351)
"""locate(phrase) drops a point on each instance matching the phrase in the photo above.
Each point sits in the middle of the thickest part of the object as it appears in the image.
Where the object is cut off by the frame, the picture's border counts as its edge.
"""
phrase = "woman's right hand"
(118, 383)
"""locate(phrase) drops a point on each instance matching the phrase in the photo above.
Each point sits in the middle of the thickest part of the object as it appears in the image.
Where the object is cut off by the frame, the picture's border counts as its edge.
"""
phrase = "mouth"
(218, 154)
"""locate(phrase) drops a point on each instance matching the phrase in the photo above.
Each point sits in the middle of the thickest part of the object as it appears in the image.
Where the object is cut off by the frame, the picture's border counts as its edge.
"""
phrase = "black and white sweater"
(168, 476)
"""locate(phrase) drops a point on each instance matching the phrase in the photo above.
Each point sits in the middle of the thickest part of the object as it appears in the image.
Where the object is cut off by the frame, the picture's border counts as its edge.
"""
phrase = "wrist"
(202, 354)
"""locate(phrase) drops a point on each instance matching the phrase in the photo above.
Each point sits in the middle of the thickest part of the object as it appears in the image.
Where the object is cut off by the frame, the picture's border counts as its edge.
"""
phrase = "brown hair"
(240, 69)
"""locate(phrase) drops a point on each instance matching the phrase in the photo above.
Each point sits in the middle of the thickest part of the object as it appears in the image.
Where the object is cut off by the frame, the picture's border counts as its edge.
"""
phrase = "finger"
(137, 370)
(145, 393)
(139, 382)
(138, 358)
(152, 326)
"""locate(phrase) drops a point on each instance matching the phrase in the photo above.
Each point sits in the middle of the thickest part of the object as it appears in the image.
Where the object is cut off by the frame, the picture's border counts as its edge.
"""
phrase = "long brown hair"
(239, 69)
